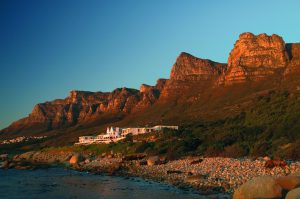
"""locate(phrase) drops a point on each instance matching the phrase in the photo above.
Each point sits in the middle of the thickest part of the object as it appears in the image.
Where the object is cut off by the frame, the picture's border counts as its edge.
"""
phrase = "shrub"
(213, 151)
(260, 149)
(234, 151)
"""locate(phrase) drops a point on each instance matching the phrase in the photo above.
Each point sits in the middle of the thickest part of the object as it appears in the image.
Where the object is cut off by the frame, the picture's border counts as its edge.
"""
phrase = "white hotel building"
(114, 134)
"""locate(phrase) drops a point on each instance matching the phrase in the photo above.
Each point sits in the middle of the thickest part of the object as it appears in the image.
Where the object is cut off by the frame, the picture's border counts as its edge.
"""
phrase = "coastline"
(212, 177)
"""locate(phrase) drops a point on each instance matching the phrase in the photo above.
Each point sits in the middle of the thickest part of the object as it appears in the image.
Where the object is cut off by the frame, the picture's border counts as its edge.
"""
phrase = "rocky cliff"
(256, 57)
(252, 59)
(82, 107)
(188, 67)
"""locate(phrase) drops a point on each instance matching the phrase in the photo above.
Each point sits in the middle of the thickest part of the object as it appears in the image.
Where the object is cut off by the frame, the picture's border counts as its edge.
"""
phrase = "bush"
(260, 149)
(143, 146)
(213, 151)
(234, 151)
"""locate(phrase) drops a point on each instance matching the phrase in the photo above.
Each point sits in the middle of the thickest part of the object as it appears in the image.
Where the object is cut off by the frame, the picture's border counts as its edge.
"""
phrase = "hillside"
(250, 105)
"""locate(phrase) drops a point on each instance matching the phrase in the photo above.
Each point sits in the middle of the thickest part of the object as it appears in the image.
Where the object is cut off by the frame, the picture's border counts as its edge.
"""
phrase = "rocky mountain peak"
(188, 67)
(258, 51)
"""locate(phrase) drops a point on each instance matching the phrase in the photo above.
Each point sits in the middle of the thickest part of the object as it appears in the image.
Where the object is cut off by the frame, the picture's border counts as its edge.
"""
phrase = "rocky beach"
(214, 177)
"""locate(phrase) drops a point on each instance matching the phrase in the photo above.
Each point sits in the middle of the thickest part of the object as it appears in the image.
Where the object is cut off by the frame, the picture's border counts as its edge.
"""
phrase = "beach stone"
(11, 165)
(196, 178)
(3, 156)
(293, 194)
(174, 172)
(196, 161)
(153, 160)
(288, 182)
(163, 159)
(5, 164)
(141, 162)
(133, 157)
(259, 187)
(266, 158)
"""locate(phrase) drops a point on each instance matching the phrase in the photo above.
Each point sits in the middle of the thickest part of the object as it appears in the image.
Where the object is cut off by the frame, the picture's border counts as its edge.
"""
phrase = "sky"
(50, 47)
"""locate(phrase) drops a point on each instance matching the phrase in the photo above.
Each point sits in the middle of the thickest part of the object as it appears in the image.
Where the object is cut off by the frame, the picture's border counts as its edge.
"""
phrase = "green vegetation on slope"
(270, 126)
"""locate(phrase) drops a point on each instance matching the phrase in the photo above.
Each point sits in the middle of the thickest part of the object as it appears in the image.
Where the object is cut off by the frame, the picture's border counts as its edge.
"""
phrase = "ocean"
(59, 183)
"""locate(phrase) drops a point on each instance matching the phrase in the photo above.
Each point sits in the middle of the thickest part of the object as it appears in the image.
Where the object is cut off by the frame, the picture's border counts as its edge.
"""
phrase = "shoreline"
(211, 177)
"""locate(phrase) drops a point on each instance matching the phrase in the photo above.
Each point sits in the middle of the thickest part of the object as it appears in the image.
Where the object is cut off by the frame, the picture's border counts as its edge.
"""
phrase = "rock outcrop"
(256, 57)
(81, 106)
(293, 50)
(188, 67)
(258, 51)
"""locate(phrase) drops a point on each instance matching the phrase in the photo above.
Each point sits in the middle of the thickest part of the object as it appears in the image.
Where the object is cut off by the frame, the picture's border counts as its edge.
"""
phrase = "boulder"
(275, 163)
(75, 159)
(153, 160)
(259, 187)
(163, 159)
(293, 194)
(288, 182)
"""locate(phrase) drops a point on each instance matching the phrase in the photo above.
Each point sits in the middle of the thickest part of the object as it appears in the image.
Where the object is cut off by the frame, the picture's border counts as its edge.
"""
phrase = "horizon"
(50, 48)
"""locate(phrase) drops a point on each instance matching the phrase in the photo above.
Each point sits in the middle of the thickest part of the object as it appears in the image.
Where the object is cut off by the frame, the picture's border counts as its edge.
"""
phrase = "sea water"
(59, 183)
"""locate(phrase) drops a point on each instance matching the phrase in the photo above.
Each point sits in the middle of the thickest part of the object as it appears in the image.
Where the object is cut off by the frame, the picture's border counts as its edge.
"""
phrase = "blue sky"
(49, 47)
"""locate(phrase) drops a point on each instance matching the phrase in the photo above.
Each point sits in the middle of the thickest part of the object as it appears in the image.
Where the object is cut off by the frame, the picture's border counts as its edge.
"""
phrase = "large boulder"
(259, 187)
(293, 194)
(288, 182)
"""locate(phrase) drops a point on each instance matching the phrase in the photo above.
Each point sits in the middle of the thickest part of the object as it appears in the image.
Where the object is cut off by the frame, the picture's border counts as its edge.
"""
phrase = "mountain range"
(198, 91)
